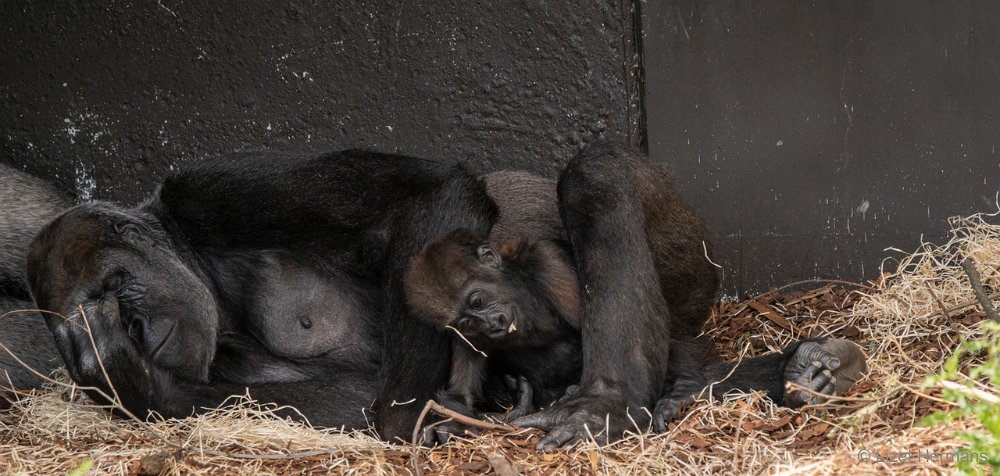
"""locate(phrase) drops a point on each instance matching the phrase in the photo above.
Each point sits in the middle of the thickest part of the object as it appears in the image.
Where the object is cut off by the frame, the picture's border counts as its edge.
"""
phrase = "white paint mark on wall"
(863, 208)
(85, 184)
(71, 130)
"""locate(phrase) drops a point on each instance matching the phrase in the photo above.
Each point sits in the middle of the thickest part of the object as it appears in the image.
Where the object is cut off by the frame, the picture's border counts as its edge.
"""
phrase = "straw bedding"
(908, 321)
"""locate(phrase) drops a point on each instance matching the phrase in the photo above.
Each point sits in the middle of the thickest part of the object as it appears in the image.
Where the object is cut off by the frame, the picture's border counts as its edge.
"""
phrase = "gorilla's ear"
(489, 256)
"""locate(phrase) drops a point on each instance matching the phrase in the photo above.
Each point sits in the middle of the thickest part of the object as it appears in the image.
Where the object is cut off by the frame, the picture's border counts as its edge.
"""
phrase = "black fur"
(284, 273)
(27, 204)
(646, 287)
(539, 344)
(188, 293)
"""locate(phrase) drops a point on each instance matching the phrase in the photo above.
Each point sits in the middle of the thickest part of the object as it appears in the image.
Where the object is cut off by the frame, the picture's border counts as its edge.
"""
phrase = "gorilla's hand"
(96, 348)
(668, 409)
(828, 367)
(441, 432)
(598, 415)
(525, 397)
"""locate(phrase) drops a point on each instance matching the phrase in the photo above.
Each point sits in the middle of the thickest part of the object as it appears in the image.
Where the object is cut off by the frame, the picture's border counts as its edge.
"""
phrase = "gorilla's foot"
(828, 367)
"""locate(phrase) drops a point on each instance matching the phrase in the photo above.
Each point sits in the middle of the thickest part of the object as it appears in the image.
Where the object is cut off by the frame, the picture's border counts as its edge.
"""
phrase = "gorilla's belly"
(297, 312)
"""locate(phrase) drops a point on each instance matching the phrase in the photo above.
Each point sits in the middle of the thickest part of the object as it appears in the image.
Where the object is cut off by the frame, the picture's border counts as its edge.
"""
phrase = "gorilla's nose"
(498, 321)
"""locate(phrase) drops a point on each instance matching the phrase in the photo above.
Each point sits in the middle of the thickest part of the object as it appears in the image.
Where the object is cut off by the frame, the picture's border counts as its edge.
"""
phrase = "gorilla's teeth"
(512, 328)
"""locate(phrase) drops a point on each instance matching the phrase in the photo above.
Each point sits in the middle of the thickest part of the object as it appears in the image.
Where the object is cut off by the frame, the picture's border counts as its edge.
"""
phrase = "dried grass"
(908, 322)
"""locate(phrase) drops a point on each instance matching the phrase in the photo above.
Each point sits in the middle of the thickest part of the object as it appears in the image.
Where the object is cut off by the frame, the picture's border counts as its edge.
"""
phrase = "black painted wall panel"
(105, 97)
(813, 135)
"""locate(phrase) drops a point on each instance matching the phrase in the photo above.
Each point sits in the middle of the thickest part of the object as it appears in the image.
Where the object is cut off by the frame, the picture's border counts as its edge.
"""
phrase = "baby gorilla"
(519, 304)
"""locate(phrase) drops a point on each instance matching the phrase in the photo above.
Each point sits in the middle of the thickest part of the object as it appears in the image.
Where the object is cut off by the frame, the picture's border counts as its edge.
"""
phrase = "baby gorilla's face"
(486, 313)
(459, 282)
(494, 304)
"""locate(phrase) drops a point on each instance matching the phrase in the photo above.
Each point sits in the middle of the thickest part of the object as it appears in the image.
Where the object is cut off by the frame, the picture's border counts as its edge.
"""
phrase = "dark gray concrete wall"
(813, 135)
(106, 97)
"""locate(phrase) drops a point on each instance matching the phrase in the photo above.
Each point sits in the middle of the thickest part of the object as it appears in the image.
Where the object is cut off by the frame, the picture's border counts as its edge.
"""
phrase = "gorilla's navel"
(306, 322)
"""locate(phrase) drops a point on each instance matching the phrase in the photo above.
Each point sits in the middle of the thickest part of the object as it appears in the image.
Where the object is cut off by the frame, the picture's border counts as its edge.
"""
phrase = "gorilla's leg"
(24, 337)
(820, 366)
(603, 197)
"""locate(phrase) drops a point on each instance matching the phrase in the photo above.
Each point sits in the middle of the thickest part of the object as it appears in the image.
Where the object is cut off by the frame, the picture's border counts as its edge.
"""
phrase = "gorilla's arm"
(25, 341)
(622, 326)
(609, 201)
(337, 398)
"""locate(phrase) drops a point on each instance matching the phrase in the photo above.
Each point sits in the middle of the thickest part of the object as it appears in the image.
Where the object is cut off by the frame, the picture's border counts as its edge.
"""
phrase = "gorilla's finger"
(543, 420)
(428, 438)
(829, 387)
(814, 371)
(824, 383)
(662, 414)
(827, 390)
(799, 398)
(558, 438)
(659, 423)
(443, 435)
(570, 393)
(824, 380)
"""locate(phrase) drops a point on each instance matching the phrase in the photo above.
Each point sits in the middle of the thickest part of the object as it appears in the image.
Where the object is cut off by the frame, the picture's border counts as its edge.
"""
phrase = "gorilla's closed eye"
(126, 289)
(465, 324)
(476, 300)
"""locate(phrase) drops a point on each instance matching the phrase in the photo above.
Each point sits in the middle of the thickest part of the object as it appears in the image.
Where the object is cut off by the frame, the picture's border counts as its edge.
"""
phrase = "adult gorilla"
(284, 273)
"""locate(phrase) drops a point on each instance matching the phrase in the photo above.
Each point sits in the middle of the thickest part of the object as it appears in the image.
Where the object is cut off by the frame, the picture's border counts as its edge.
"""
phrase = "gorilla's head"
(119, 266)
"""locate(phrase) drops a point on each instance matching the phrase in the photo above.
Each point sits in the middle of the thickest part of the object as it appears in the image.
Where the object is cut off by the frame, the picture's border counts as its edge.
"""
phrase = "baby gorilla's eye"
(476, 300)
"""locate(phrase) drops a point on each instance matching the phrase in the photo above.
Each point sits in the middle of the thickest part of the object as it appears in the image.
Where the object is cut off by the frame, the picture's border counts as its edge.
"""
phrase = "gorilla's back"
(26, 204)
(527, 204)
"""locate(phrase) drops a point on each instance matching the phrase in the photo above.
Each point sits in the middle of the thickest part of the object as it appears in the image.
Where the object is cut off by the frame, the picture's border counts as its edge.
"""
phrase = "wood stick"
(970, 269)
(940, 303)
(961, 306)
(439, 409)
(417, 470)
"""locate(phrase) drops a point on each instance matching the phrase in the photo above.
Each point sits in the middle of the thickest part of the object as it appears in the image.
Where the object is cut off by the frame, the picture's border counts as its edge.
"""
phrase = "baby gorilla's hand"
(525, 396)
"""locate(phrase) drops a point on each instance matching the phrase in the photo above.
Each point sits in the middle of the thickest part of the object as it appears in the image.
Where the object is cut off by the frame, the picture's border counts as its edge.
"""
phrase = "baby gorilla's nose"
(498, 323)
(496, 319)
